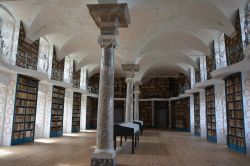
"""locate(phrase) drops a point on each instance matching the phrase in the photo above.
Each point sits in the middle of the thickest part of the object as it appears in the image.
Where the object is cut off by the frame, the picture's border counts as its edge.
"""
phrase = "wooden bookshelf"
(120, 87)
(27, 56)
(173, 113)
(76, 76)
(25, 110)
(198, 71)
(210, 61)
(155, 88)
(235, 116)
(161, 109)
(119, 111)
(197, 130)
(210, 111)
(56, 128)
(145, 113)
(181, 109)
(93, 83)
(233, 43)
(57, 72)
(92, 104)
(76, 112)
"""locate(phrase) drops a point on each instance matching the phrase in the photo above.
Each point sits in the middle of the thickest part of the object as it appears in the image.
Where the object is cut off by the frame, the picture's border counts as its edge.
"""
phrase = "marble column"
(203, 118)
(192, 114)
(129, 100)
(136, 105)
(104, 152)
(108, 18)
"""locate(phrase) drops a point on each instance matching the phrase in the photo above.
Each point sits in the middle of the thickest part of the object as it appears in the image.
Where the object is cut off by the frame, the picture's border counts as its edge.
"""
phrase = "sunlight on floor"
(4, 153)
(71, 135)
(45, 141)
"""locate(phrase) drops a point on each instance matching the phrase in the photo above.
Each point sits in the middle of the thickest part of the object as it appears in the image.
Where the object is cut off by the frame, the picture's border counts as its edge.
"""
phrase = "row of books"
(57, 106)
(235, 123)
(27, 96)
(57, 101)
(58, 95)
(25, 103)
(22, 110)
(238, 141)
(25, 88)
(22, 134)
(23, 126)
(236, 132)
(56, 118)
(57, 124)
(235, 114)
(234, 106)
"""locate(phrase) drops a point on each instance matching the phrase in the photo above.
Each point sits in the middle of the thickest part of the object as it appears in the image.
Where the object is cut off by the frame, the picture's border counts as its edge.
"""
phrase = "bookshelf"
(197, 71)
(145, 113)
(233, 43)
(56, 128)
(197, 130)
(57, 67)
(235, 116)
(76, 76)
(120, 87)
(92, 104)
(210, 61)
(93, 83)
(181, 114)
(119, 111)
(76, 112)
(173, 114)
(161, 109)
(155, 88)
(25, 110)
(210, 111)
(27, 56)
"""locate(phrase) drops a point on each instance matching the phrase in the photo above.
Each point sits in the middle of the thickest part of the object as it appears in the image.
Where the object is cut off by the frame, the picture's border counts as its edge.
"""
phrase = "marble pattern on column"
(192, 114)
(220, 108)
(129, 100)
(203, 119)
(136, 105)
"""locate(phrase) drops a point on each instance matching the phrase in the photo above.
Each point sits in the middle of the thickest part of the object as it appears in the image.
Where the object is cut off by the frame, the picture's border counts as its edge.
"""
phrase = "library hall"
(124, 82)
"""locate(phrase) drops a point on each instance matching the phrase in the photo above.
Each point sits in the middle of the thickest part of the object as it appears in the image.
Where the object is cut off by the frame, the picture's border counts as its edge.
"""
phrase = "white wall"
(221, 116)
(43, 112)
(68, 109)
(203, 121)
(246, 106)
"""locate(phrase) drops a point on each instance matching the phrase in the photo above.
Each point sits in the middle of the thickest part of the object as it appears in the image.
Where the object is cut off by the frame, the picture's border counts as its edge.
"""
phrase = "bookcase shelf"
(27, 56)
(57, 72)
(235, 116)
(210, 61)
(234, 44)
(92, 104)
(119, 111)
(25, 110)
(56, 128)
(181, 112)
(197, 130)
(76, 112)
(210, 111)
(120, 87)
(76, 76)
(145, 113)
(198, 71)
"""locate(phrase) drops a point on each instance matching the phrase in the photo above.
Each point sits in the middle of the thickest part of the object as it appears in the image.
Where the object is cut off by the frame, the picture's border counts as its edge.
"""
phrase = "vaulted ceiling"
(164, 34)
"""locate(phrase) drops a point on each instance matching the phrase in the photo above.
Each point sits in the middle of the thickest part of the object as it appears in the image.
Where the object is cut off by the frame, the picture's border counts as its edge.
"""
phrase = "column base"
(103, 159)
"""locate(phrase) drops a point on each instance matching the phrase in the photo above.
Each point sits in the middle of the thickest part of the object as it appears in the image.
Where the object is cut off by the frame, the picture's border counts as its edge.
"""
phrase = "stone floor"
(156, 148)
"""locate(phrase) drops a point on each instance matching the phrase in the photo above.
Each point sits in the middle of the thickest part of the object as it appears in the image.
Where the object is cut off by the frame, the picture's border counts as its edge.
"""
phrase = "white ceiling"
(163, 35)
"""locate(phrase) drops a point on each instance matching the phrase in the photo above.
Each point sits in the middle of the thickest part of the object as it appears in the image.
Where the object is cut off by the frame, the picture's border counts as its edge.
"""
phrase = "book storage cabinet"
(56, 127)
(25, 110)
(210, 114)
(235, 117)
(197, 130)
(76, 112)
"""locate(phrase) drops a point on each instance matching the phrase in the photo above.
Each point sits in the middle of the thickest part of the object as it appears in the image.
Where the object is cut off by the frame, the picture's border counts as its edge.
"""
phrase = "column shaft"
(136, 105)
(106, 100)
(129, 101)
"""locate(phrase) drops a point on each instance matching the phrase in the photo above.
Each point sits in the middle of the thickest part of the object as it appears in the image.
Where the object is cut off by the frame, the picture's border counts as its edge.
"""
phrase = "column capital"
(129, 80)
(108, 41)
